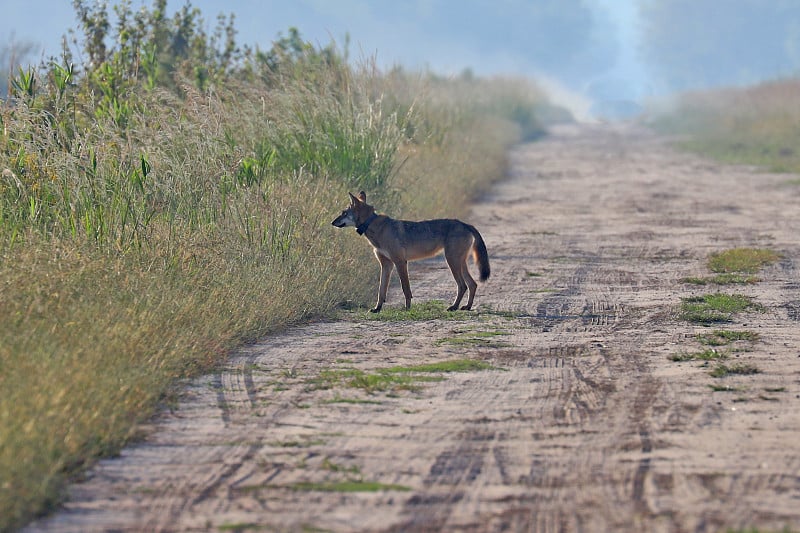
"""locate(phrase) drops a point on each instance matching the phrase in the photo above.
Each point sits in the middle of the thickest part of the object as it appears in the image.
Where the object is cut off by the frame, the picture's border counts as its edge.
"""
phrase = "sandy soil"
(586, 425)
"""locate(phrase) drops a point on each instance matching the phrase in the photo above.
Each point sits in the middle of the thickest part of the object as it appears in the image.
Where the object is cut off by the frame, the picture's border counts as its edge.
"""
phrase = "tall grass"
(757, 125)
(147, 232)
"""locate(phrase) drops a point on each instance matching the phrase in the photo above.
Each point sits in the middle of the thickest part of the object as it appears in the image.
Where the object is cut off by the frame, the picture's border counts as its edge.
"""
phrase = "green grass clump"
(724, 388)
(419, 311)
(723, 279)
(741, 369)
(723, 337)
(718, 307)
(476, 338)
(241, 526)
(456, 365)
(785, 529)
(327, 464)
(705, 355)
(736, 266)
(353, 401)
(305, 443)
(432, 310)
(741, 260)
(408, 378)
(347, 486)
(371, 382)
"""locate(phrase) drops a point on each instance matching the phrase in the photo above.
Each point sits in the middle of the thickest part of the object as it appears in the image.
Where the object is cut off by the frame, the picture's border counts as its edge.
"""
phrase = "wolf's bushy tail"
(480, 254)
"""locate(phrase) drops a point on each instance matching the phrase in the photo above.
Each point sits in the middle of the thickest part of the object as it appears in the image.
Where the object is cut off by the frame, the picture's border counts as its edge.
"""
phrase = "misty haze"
(606, 51)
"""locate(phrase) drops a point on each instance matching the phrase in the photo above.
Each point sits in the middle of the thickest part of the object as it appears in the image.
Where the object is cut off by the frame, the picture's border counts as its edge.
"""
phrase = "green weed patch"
(419, 312)
(327, 464)
(705, 355)
(429, 310)
(485, 339)
(370, 382)
(300, 443)
(723, 279)
(723, 337)
(347, 486)
(718, 307)
(456, 365)
(741, 260)
(724, 388)
(736, 266)
(399, 378)
(354, 401)
(739, 369)
(242, 526)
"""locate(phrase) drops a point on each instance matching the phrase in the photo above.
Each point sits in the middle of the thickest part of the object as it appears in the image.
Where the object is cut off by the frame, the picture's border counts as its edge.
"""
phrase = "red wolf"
(396, 242)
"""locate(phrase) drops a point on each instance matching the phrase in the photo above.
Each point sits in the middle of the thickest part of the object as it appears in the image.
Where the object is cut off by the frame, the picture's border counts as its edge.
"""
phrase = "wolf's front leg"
(386, 270)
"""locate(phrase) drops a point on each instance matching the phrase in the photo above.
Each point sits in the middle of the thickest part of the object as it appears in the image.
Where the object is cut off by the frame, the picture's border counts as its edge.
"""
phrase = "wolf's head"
(356, 214)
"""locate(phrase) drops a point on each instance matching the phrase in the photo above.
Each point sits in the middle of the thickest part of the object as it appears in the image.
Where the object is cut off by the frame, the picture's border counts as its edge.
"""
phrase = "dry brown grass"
(756, 125)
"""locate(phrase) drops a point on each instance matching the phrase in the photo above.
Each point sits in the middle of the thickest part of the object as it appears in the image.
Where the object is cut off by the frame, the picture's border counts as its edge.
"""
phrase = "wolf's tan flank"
(396, 242)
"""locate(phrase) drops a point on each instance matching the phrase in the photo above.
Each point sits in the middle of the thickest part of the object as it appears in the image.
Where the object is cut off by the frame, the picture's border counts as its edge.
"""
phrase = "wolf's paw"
(466, 307)
(453, 308)
(375, 310)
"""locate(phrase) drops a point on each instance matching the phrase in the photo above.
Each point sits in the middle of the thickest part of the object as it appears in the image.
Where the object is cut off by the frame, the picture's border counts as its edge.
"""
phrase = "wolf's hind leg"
(455, 264)
(471, 284)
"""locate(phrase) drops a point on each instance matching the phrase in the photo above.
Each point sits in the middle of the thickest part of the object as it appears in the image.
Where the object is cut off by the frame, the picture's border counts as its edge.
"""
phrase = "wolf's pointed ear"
(353, 199)
(362, 196)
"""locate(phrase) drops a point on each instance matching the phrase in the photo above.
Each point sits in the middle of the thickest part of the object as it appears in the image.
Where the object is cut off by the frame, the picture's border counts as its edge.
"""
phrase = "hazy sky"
(395, 32)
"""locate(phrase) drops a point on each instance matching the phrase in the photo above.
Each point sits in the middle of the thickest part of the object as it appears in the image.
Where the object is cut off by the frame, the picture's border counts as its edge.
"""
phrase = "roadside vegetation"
(742, 260)
(397, 378)
(419, 311)
(709, 354)
(742, 369)
(733, 266)
(716, 307)
(736, 265)
(756, 125)
(723, 337)
(169, 197)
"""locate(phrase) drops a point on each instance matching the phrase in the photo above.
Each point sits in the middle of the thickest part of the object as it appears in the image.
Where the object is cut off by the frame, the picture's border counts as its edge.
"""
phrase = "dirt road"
(583, 422)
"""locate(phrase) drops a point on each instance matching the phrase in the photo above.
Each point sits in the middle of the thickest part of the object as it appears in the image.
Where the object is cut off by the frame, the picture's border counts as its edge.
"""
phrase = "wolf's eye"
(344, 212)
